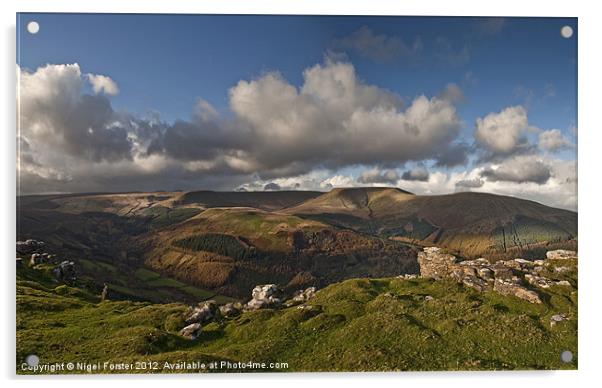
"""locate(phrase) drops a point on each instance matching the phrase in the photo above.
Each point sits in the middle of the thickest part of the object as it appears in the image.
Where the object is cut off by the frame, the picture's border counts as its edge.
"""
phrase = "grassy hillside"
(355, 325)
(229, 250)
(265, 200)
(472, 224)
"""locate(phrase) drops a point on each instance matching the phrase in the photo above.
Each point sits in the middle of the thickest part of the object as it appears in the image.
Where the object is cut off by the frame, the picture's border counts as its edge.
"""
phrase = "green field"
(355, 325)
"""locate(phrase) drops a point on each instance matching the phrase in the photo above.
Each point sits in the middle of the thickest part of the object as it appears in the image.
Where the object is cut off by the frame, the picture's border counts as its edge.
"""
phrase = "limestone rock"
(435, 264)
(304, 295)
(203, 312)
(265, 296)
(557, 318)
(230, 310)
(408, 276)
(36, 259)
(191, 331)
(538, 281)
(561, 254)
(514, 288)
(65, 272)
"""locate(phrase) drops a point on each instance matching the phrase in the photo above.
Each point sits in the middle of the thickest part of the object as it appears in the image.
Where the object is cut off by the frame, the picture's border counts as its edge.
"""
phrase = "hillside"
(265, 200)
(355, 325)
(472, 224)
(230, 250)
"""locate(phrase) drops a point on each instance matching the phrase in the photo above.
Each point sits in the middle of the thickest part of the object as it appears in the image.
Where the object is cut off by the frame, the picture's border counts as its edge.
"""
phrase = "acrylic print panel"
(221, 193)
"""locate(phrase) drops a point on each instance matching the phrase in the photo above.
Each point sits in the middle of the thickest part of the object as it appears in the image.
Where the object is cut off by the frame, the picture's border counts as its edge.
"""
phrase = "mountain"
(471, 224)
(165, 246)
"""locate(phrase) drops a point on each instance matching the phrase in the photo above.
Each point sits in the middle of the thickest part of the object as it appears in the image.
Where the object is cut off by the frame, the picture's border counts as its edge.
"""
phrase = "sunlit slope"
(471, 223)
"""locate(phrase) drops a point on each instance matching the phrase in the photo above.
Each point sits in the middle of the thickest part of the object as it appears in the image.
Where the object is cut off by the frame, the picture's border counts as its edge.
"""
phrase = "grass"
(355, 325)
(146, 275)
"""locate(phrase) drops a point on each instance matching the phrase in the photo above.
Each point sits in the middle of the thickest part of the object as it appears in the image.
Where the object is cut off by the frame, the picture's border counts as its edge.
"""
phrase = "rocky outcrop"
(29, 246)
(265, 296)
(65, 272)
(191, 331)
(203, 312)
(230, 310)
(506, 277)
(436, 264)
(513, 287)
(40, 258)
(561, 254)
(302, 296)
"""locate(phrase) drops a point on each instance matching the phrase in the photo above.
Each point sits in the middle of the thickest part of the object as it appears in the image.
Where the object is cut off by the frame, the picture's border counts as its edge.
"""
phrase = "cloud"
(552, 140)
(470, 183)
(378, 47)
(419, 173)
(316, 136)
(375, 175)
(454, 155)
(335, 120)
(502, 133)
(272, 187)
(520, 169)
(55, 117)
(452, 93)
(102, 84)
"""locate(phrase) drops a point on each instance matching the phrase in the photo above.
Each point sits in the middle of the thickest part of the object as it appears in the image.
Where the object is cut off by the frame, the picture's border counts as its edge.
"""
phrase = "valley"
(133, 266)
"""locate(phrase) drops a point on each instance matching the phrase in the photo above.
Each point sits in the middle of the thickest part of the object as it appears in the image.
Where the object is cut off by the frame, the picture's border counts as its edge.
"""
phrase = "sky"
(432, 105)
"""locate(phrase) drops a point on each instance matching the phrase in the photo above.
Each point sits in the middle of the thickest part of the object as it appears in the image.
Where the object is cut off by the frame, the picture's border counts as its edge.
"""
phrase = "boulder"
(304, 295)
(476, 283)
(191, 331)
(561, 254)
(203, 312)
(557, 318)
(230, 310)
(538, 281)
(36, 259)
(265, 296)
(486, 274)
(65, 272)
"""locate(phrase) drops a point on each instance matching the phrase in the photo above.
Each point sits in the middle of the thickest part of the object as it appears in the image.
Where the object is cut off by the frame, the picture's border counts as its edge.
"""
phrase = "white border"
(590, 265)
